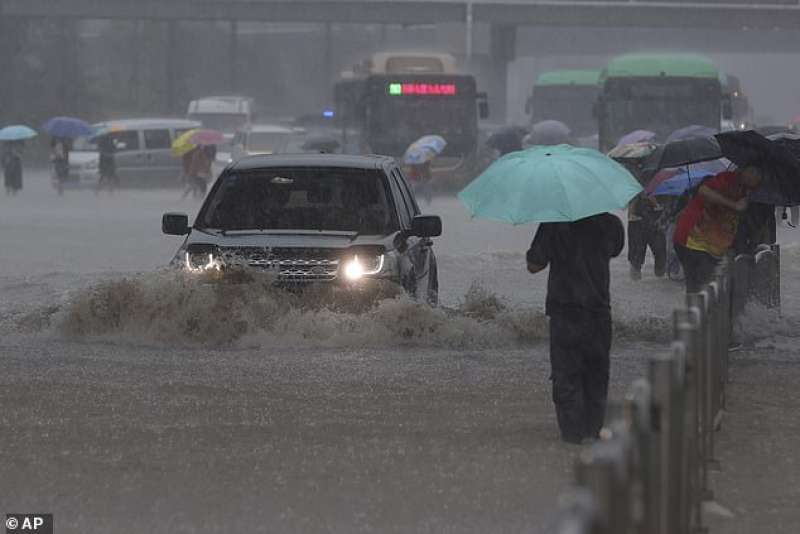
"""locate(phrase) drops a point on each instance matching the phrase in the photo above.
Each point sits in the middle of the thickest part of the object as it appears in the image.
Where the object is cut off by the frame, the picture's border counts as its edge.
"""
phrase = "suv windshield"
(301, 198)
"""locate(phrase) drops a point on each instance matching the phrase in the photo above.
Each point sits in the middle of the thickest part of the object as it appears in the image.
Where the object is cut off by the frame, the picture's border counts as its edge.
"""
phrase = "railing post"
(638, 411)
(602, 469)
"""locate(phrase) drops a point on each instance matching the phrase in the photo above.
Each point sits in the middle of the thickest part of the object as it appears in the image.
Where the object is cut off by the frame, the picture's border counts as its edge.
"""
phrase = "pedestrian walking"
(579, 308)
(420, 177)
(198, 170)
(646, 230)
(59, 156)
(12, 166)
(107, 166)
(707, 226)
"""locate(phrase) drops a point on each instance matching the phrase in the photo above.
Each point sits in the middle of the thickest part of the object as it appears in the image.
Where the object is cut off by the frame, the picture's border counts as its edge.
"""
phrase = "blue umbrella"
(67, 127)
(416, 155)
(549, 184)
(689, 177)
(17, 132)
(434, 143)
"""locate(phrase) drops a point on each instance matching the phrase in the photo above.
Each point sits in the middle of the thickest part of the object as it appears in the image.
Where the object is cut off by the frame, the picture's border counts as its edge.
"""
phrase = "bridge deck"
(778, 14)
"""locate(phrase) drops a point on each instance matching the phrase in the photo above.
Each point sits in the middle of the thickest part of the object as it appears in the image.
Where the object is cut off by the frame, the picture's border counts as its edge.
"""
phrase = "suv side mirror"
(483, 105)
(175, 224)
(426, 226)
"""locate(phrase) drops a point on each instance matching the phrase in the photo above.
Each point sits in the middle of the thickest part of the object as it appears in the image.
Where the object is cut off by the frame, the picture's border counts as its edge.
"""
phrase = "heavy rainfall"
(395, 266)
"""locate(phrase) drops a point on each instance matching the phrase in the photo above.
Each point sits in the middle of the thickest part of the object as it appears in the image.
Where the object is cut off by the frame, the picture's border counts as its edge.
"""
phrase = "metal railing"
(650, 472)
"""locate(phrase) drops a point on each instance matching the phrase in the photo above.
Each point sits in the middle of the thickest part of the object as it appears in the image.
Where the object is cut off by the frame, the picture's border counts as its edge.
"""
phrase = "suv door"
(162, 167)
(420, 279)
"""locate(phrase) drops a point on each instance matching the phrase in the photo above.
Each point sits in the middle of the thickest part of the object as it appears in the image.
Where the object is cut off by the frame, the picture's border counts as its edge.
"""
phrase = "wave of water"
(178, 309)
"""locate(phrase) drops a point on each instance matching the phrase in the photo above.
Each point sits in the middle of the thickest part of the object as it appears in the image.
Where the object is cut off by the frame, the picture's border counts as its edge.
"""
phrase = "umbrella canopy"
(182, 144)
(682, 152)
(776, 159)
(67, 127)
(637, 136)
(191, 139)
(17, 132)
(688, 132)
(549, 132)
(507, 139)
(633, 151)
(416, 155)
(549, 184)
(103, 129)
(686, 178)
(706, 168)
(434, 143)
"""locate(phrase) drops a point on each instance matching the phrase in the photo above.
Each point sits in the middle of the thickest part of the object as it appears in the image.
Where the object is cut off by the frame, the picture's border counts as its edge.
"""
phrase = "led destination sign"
(422, 89)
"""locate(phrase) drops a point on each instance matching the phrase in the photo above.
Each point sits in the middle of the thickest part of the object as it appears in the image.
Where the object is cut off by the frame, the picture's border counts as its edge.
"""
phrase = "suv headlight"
(201, 259)
(359, 266)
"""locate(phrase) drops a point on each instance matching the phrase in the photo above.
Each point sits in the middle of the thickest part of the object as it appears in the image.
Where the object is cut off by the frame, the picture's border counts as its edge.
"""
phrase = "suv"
(313, 218)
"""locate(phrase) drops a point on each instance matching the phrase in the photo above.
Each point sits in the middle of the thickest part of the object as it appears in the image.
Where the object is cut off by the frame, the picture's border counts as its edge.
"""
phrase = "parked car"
(267, 139)
(143, 154)
(320, 218)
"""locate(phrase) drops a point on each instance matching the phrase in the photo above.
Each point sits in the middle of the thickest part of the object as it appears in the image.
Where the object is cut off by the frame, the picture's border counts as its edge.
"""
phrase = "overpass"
(732, 14)
(515, 27)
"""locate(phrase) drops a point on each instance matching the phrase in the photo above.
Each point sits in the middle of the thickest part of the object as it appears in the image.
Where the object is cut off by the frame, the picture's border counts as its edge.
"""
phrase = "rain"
(270, 266)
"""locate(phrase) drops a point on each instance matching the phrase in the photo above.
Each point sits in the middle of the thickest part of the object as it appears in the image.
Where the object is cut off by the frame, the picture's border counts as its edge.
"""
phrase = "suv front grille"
(291, 265)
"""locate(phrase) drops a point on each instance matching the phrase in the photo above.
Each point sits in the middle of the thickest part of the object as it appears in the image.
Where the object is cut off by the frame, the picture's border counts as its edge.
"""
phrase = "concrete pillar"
(171, 66)
(502, 49)
(69, 76)
(233, 57)
(327, 67)
(9, 43)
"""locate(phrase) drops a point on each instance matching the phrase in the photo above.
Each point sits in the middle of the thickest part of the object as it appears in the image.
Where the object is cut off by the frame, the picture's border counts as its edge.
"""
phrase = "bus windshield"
(569, 104)
(661, 106)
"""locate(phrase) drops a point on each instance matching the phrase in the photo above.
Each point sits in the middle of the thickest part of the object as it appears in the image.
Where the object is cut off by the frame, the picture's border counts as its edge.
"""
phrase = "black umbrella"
(682, 152)
(776, 158)
(507, 139)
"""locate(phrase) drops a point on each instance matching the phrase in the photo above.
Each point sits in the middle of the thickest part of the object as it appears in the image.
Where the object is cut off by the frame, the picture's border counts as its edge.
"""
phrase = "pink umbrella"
(207, 137)
(637, 136)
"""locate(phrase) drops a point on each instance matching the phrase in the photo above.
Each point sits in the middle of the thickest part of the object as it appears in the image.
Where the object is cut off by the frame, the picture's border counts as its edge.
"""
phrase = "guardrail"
(650, 472)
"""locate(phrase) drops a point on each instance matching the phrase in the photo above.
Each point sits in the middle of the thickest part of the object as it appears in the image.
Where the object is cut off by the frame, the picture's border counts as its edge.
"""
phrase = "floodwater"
(134, 399)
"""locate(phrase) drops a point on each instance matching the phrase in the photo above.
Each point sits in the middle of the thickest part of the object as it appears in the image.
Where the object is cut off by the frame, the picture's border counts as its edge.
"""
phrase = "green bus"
(567, 96)
(657, 92)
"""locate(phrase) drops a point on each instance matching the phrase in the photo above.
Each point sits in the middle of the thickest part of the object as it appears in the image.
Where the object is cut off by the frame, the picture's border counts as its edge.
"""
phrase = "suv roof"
(313, 160)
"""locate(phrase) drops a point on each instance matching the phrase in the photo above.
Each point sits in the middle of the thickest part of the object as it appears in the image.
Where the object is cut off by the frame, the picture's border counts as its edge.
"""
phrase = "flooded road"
(116, 416)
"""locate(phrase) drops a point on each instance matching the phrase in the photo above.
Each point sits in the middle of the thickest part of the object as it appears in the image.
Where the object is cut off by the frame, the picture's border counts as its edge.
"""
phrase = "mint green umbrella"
(558, 183)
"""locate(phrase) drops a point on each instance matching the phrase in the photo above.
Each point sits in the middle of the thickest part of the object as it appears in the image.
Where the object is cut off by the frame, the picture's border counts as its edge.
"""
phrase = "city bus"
(393, 99)
(567, 96)
(657, 92)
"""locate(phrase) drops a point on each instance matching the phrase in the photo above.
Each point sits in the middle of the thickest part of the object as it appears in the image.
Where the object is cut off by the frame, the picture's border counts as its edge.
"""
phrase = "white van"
(143, 154)
(227, 114)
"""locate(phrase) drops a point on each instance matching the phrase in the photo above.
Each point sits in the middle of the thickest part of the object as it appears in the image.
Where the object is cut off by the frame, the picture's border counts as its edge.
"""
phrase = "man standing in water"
(707, 226)
(579, 307)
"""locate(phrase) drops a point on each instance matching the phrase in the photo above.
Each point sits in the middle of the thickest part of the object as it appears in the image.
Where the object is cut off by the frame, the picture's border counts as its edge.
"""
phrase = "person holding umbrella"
(706, 228)
(13, 138)
(63, 130)
(418, 158)
(569, 191)
(12, 166)
(198, 149)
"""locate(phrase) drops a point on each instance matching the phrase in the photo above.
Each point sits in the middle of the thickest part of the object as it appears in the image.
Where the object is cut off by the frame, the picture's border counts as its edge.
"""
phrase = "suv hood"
(288, 239)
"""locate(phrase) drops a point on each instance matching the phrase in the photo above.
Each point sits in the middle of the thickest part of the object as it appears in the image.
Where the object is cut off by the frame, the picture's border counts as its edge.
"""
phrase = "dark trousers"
(698, 267)
(642, 234)
(579, 358)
